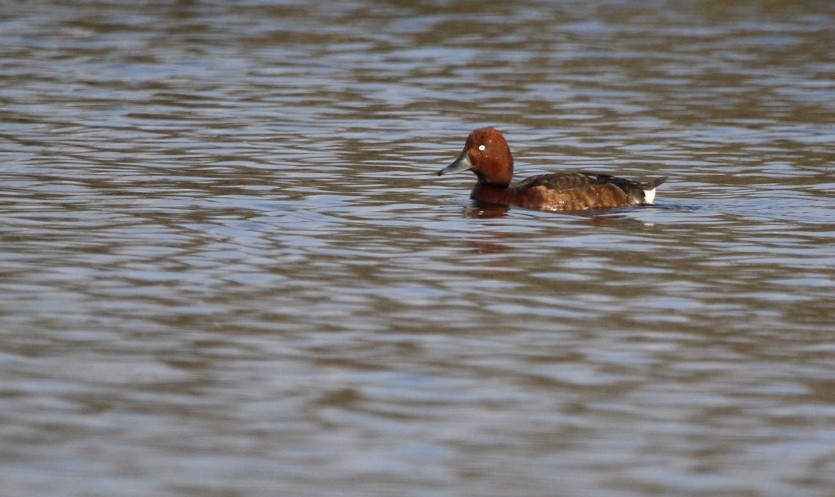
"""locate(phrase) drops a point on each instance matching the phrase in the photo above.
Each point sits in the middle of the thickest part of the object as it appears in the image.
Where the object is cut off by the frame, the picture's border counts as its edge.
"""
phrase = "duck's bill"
(462, 163)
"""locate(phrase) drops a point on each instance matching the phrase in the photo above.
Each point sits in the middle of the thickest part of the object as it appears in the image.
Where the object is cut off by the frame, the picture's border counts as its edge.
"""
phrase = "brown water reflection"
(226, 267)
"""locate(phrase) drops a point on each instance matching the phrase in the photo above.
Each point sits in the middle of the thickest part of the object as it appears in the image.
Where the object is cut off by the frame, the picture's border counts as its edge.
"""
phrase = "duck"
(487, 154)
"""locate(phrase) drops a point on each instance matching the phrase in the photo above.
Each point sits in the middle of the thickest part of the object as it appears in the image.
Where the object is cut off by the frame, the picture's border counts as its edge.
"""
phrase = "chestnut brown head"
(487, 154)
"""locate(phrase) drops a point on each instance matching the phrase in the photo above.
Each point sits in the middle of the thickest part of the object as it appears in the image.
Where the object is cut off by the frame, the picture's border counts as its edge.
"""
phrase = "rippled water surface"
(227, 268)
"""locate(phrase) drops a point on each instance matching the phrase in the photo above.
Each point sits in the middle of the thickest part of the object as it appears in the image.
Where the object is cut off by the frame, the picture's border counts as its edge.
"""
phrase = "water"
(226, 267)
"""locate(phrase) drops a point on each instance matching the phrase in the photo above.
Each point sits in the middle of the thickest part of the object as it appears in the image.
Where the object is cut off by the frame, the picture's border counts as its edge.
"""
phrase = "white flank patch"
(649, 196)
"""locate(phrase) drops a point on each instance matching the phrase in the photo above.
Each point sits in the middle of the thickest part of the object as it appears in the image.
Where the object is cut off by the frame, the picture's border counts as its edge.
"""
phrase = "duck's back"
(581, 190)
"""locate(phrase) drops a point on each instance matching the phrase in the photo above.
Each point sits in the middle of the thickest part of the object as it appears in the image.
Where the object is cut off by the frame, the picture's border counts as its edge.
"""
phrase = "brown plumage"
(487, 154)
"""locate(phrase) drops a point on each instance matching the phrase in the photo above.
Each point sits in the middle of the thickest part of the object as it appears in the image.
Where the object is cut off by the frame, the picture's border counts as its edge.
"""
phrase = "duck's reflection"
(486, 211)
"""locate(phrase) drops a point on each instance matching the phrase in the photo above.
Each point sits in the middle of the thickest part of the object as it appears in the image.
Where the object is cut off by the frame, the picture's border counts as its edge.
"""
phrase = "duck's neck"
(492, 194)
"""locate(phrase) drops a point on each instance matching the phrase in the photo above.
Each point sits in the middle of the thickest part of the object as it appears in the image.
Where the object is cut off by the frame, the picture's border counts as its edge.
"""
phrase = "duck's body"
(487, 154)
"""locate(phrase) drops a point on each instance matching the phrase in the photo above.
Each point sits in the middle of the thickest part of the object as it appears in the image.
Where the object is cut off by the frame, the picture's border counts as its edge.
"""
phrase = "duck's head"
(487, 154)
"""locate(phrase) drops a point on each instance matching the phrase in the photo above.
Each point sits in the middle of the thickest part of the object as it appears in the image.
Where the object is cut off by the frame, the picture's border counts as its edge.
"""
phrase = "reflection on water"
(227, 267)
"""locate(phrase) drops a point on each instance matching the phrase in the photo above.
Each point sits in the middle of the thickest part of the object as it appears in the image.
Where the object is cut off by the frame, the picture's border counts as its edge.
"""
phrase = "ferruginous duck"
(487, 154)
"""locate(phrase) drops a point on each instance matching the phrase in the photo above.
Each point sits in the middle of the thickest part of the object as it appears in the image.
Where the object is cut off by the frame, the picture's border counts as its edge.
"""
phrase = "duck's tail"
(649, 189)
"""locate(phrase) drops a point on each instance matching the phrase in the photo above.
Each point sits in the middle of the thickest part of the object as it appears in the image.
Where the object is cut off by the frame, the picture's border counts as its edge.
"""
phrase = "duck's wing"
(579, 190)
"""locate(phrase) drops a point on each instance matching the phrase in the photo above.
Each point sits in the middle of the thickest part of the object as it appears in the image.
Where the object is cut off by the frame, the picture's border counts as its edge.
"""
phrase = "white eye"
(482, 148)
